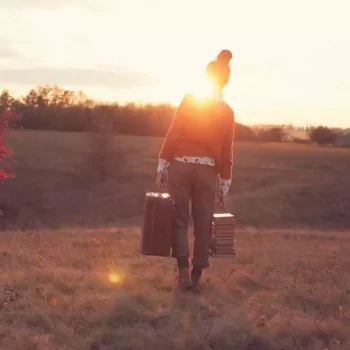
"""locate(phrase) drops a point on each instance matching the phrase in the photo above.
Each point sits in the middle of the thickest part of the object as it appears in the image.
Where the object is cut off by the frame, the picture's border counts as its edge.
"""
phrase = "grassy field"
(274, 185)
(74, 279)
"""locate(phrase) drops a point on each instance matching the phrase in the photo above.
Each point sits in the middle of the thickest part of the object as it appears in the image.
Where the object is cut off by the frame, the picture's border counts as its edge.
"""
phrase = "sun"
(202, 88)
(173, 88)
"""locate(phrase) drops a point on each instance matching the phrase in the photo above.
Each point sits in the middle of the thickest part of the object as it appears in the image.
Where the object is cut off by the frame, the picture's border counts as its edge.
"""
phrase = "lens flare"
(115, 278)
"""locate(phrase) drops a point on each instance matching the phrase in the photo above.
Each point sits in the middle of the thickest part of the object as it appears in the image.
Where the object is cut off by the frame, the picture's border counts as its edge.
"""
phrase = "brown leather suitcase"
(157, 224)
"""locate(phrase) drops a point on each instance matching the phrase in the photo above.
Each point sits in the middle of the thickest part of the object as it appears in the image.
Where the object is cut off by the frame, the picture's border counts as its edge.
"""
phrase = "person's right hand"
(160, 181)
(222, 202)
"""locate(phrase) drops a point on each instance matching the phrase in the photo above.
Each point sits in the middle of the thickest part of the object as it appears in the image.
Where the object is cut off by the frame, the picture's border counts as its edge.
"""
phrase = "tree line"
(48, 107)
(53, 108)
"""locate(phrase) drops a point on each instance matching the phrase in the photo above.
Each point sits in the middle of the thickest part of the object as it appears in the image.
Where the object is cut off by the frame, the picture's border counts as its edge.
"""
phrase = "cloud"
(11, 57)
(121, 79)
(9, 53)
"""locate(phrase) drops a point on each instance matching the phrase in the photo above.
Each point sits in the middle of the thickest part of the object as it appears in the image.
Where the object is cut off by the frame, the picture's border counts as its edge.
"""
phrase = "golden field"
(72, 278)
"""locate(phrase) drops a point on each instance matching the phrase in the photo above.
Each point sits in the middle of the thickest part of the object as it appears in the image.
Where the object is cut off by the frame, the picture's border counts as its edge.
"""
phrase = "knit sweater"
(202, 132)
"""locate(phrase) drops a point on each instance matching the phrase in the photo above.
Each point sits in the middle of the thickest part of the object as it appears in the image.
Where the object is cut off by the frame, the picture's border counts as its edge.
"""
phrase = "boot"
(184, 280)
(196, 274)
(195, 280)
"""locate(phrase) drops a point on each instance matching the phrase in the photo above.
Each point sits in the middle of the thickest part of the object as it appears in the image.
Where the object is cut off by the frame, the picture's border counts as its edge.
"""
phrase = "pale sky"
(291, 58)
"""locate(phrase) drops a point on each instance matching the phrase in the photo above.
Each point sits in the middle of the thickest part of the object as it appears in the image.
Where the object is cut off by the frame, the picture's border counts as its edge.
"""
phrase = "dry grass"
(287, 290)
(74, 288)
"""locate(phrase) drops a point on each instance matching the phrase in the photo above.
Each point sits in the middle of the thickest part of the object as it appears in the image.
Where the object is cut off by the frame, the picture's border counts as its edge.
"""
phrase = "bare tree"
(106, 154)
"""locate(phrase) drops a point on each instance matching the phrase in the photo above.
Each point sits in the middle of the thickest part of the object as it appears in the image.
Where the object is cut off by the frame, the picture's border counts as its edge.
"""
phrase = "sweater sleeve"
(227, 151)
(174, 132)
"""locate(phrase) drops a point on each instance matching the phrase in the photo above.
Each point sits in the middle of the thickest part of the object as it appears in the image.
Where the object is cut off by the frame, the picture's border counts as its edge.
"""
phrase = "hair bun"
(219, 71)
(224, 56)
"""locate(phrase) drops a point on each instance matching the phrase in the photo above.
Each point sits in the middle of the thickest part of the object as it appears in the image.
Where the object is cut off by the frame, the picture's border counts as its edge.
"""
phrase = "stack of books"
(223, 240)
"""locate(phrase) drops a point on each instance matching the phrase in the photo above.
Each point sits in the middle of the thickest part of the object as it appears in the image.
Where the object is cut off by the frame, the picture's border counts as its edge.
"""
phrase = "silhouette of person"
(198, 149)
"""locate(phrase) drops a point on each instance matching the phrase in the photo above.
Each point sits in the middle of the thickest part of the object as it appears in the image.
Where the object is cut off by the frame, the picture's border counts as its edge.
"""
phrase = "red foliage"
(8, 117)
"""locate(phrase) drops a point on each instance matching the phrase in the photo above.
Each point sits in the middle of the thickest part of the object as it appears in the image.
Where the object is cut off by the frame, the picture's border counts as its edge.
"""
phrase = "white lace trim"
(197, 160)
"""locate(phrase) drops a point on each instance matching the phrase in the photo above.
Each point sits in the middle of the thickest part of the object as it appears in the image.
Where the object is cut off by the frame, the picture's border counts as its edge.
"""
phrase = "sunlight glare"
(202, 89)
(115, 278)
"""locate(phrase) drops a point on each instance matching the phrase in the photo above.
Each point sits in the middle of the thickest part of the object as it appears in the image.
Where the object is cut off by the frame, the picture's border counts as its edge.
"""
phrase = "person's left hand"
(160, 181)
(222, 202)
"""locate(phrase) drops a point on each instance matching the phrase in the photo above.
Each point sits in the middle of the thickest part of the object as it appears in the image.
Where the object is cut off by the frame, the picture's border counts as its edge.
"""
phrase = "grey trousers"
(196, 183)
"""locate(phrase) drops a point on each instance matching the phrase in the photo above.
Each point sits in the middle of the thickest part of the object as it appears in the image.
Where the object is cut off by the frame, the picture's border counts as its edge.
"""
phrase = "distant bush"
(106, 155)
(274, 134)
(244, 133)
(322, 135)
(7, 116)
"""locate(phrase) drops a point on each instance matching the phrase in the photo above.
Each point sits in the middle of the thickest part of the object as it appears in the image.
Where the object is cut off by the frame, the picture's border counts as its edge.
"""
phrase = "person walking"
(196, 152)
